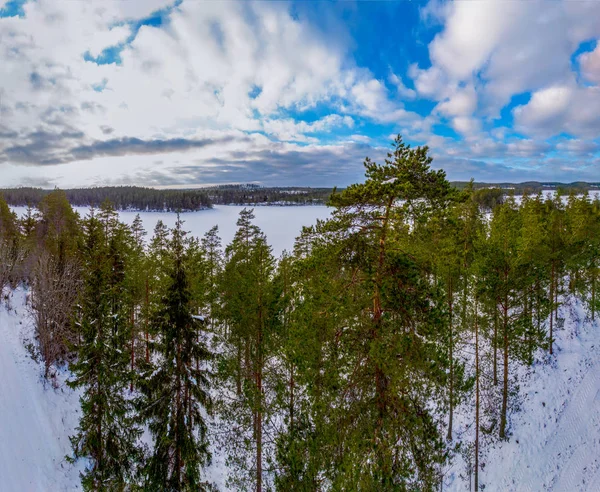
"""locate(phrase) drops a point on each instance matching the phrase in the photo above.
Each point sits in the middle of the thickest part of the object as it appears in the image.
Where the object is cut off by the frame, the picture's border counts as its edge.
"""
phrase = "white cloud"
(578, 147)
(503, 49)
(212, 68)
(291, 130)
(463, 102)
(369, 97)
(403, 91)
(570, 108)
(466, 125)
(590, 64)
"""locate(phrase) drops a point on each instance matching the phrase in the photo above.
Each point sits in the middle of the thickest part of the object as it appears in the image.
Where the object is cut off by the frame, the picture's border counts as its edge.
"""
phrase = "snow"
(555, 436)
(35, 418)
(281, 224)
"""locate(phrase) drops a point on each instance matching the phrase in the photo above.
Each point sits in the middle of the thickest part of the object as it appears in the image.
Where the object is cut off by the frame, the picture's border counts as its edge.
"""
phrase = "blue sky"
(189, 93)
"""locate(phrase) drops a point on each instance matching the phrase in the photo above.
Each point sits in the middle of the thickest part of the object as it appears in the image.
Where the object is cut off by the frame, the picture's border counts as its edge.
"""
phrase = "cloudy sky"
(194, 92)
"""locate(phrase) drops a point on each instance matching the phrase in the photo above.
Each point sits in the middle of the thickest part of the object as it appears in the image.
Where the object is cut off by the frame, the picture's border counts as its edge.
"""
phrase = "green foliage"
(176, 392)
(337, 367)
(106, 433)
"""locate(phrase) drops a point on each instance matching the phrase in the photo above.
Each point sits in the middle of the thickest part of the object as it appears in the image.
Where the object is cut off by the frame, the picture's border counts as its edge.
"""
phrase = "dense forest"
(121, 197)
(338, 366)
(151, 199)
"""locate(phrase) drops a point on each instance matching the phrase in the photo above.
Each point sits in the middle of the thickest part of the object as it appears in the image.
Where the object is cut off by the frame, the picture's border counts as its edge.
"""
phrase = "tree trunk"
(476, 399)
(178, 419)
(381, 384)
(146, 322)
(593, 292)
(259, 412)
(238, 376)
(291, 409)
(132, 347)
(451, 409)
(505, 378)
(557, 284)
(495, 343)
(551, 305)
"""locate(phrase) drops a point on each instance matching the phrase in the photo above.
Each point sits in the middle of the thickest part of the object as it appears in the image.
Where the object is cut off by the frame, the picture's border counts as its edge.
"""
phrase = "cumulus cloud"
(570, 108)
(590, 64)
(93, 82)
(223, 90)
(503, 49)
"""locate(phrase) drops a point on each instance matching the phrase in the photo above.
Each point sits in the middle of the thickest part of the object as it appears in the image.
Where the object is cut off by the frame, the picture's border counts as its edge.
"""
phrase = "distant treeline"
(532, 187)
(121, 197)
(141, 199)
(254, 195)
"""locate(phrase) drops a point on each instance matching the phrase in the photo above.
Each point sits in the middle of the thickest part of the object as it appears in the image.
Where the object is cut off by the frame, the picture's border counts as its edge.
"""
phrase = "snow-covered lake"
(281, 224)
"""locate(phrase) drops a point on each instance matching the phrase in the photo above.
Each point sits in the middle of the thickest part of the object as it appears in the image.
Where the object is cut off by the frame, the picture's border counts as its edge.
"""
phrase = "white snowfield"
(35, 418)
(555, 437)
(554, 444)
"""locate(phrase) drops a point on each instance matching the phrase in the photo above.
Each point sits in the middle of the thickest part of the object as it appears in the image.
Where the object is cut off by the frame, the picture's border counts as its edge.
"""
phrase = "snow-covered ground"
(36, 417)
(554, 443)
(555, 437)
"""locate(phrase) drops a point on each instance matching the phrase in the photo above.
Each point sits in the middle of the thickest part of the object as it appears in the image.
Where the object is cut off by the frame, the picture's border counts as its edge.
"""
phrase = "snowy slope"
(554, 444)
(555, 436)
(35, 418)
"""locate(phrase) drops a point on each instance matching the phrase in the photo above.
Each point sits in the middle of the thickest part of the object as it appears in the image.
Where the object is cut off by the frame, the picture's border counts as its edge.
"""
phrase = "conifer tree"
(106, 433)
(249, 312)
(176, 395)
(387, 332)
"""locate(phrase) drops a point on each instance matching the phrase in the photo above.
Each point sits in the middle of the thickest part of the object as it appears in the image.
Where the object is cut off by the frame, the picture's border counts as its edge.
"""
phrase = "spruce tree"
(106, 433)
(176, 397)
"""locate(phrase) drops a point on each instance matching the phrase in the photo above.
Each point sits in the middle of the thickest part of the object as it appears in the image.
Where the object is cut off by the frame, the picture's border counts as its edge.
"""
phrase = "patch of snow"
(36, 417)
(554, 440)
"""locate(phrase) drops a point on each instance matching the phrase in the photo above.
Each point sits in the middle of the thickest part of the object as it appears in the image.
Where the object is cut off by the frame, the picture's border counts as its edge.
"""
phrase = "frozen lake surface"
(281, 224)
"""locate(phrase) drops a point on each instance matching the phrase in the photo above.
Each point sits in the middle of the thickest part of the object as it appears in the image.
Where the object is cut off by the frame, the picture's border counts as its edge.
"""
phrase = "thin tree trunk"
(495, 343)
(259, 412)
(505, 378)
(178, 463)
(132, 347)
(593, 292)
(292, 387)
(551, 306)
(146, 322)
(450, 412)
(381, 384)
(476, 399)
(557, 282)
(539, 314)
(238, 376)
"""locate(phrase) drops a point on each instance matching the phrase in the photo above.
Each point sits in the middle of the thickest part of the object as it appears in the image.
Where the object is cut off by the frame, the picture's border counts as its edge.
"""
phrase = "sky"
(196, 92)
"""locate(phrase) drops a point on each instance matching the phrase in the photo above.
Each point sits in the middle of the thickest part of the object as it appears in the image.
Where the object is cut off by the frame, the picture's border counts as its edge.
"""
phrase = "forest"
(151, 199)
(338, 366)
(170, 200)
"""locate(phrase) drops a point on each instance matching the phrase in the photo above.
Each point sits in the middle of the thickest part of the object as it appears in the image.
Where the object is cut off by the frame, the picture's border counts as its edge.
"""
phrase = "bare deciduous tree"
(54, 294)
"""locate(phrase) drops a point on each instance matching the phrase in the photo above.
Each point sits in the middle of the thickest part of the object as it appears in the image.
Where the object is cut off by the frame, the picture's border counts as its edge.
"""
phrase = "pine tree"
(383, 366)
(249, 313)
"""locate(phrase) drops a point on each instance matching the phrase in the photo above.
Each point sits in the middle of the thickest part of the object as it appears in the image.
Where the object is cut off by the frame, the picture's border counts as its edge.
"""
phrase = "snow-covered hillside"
(554, 444)
(555, 437)
(36, 418)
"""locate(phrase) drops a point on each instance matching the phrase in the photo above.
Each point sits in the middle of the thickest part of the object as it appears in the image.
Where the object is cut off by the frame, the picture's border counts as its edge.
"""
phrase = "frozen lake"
(280, 224)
